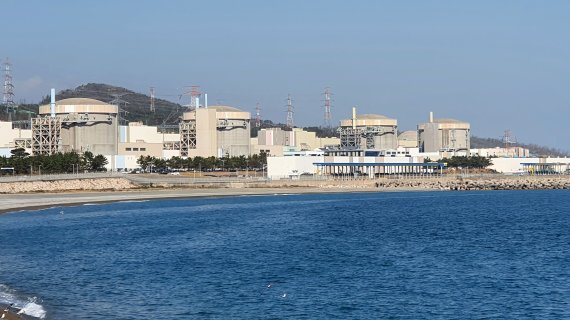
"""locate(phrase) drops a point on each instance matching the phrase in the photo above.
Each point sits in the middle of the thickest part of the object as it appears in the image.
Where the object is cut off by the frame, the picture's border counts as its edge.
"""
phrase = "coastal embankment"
(480, 183)
(41, 193)
(128, 183)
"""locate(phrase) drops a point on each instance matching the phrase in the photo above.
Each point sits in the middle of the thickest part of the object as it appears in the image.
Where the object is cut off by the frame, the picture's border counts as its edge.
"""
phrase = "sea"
(407, 255)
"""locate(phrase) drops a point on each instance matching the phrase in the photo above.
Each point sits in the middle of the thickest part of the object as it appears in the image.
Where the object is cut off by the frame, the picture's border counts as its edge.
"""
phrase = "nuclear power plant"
(367, 144)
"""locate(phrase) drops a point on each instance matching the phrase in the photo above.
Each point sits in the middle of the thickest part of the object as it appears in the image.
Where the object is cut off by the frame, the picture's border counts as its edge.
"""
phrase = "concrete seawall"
(495, 183)
(440, 183)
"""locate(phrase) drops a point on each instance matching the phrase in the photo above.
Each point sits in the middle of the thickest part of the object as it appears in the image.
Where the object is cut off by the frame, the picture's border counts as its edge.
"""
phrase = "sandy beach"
(31, 201)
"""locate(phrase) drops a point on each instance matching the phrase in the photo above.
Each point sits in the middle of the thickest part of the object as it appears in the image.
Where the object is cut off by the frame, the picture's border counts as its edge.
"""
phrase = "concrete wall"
(141, 149)
(276, 151)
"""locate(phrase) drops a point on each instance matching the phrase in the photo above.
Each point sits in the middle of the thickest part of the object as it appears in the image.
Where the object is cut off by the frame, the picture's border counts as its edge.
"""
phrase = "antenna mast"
(289, 111)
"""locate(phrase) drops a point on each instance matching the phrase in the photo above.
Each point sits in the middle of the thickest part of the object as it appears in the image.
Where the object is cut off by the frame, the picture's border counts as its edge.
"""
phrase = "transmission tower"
(152, 109)
(257, 115)
(328, 116)
(194, 93)
(508, 139)
(8, 99)
(118, 101)
(289, 111)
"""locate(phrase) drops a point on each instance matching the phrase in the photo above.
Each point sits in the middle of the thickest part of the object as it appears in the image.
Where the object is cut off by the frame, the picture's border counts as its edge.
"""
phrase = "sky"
(500, 65)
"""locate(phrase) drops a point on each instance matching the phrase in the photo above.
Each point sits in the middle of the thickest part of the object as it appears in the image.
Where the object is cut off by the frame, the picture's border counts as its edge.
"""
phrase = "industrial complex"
(367, 146)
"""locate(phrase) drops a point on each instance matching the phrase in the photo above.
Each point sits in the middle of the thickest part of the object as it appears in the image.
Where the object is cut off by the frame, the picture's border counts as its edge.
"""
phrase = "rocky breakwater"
(487, 183)
(66, 185)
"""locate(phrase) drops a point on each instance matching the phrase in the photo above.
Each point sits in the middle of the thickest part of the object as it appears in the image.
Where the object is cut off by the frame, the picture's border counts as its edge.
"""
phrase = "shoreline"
(28, 195)
(14, 203)
(9, 312)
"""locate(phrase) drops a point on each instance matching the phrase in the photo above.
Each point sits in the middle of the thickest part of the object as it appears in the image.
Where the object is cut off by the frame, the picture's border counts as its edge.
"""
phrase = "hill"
(135, 106)
(535, 149)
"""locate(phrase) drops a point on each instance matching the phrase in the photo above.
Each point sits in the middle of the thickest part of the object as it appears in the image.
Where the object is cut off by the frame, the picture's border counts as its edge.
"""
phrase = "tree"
(99, 162)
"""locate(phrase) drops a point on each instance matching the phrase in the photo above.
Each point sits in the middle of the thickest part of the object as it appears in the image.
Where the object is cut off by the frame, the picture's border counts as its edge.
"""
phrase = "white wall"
(285, 167)
(513, 165)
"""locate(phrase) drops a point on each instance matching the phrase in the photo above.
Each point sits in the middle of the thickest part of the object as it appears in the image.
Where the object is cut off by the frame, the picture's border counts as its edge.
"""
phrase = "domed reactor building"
(76, 124)
(444, 135)
(215, 131)
(368, 131)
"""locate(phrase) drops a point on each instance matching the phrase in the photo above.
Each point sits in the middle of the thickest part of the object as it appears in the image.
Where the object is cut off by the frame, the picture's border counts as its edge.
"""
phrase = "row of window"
(135, 149)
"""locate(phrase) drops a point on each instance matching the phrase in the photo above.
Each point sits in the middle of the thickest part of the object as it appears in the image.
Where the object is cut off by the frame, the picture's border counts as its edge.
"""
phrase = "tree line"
(227, 163)
(472, 162)
(21, 162)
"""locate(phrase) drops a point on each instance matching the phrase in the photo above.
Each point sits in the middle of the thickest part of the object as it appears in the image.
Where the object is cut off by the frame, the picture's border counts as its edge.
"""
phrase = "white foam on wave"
(33, 309)
(134, 201)
(30, 306)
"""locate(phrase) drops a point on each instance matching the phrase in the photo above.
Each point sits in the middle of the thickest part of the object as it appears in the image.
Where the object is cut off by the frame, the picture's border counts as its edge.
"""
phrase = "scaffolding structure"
(350, 138)
(46, 135)
(362, 137)
(187, 137)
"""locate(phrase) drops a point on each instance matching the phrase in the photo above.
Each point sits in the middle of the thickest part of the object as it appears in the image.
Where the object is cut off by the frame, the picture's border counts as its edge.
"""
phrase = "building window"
(135, 149)
(143, 149)
(127, 149)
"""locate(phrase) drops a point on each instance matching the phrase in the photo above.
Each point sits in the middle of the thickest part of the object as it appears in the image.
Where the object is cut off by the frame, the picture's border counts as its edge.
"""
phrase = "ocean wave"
(29, 306)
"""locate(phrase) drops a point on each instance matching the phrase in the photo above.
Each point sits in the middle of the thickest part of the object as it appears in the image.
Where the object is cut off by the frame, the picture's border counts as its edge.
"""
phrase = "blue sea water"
(434, 255)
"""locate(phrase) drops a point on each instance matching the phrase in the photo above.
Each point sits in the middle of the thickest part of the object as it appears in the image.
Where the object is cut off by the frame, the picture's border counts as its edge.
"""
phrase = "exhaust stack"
(431, 117)
(52, 103)
(353, 117)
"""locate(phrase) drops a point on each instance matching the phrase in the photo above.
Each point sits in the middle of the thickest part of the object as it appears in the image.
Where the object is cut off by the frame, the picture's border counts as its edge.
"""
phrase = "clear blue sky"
(497, 64)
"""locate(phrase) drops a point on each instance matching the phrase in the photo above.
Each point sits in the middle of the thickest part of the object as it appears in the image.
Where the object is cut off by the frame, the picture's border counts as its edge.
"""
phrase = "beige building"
(368, 131)
(297, 138)
(444, 135)
(512, 152)
(76, 124)
(14, 138)
(215, 131)
(408, 139)
(138, 140)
